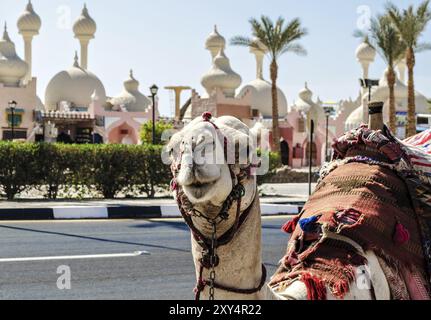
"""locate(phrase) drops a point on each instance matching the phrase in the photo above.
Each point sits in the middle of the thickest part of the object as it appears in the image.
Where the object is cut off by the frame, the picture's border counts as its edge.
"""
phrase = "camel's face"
(203, 175)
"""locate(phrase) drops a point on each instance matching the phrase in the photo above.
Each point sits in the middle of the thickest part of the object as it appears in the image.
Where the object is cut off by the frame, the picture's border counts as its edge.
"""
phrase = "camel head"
(208, 156)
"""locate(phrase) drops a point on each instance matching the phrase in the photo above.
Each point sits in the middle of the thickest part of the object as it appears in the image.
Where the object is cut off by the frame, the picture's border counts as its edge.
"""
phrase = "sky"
(163, 41)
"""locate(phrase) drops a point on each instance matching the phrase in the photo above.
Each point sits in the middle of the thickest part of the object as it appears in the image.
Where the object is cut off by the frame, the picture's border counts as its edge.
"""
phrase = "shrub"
(147, 131)
(18, 167)
(108, 169)
(274, 164)
(55, 166)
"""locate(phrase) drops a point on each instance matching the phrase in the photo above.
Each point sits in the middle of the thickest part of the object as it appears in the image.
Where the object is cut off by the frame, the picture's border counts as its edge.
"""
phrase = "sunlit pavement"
(125, 259)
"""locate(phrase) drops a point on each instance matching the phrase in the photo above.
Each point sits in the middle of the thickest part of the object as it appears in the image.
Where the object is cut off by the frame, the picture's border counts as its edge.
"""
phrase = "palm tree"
(278, 39)
(386, 40)
(411, 24)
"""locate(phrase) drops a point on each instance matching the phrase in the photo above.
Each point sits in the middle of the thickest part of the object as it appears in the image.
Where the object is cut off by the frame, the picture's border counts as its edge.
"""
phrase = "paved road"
(165, 274)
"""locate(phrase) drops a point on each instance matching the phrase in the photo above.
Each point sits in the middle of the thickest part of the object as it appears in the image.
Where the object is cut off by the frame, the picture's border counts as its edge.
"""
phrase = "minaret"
(259, 50)
(84, 29)
(215, 42)
(365, 54)
(29, 24)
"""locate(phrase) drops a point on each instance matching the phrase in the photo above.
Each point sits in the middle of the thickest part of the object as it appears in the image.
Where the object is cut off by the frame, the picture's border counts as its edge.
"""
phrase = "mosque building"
(253, 104)
(76, 107)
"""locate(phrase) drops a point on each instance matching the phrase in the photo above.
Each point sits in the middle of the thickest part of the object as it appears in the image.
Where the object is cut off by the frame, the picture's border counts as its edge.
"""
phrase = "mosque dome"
(131, 98)
(305, 101)
(12, 67)
(261, 97)
(221, 76)
(29, 21)
(85, 26)
(76, 86)
(215, 42)
(355, 119)
(365, 52)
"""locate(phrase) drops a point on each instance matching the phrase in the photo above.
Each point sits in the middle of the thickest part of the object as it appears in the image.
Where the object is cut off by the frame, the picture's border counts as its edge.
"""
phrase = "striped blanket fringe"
(376, 191)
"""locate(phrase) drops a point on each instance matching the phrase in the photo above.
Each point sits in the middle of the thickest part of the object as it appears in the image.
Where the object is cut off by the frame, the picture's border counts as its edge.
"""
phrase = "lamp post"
(368, 84)
(310, 166)
(328, 112)
(154, 90)
(12, 107)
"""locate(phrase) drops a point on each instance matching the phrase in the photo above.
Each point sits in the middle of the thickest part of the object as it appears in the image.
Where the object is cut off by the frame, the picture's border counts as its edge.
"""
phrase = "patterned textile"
(373, 193)
(395, 280)
(421, 140)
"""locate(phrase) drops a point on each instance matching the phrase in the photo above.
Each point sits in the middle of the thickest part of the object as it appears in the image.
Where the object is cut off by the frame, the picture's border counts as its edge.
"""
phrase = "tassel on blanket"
(316, 289)
(309, 224)
(401, 235)
(290, 226)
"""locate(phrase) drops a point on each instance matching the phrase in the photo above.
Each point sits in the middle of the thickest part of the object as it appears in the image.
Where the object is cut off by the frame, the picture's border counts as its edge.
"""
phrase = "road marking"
(78, 257)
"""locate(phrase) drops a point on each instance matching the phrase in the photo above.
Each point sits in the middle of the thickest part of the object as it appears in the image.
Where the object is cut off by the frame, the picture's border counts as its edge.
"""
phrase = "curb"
(119, 212)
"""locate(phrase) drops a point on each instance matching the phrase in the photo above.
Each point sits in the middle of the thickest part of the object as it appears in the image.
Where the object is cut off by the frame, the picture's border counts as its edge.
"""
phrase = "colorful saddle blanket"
(377, 192)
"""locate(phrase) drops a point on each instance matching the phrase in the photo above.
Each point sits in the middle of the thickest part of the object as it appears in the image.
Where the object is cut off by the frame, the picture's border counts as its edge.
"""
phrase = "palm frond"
(424, 46)
(278, 37)
(241, 41)
(294, 48)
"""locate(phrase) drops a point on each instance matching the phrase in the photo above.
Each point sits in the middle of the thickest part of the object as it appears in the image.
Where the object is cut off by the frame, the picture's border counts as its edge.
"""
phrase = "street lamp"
(328, 112)
(154, 90)
(369, 84)
(12, 107)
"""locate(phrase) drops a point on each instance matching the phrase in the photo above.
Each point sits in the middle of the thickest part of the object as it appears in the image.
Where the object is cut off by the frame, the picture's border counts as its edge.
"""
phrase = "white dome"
(221, 76)
(12, 67)
(215, 42)
(131, 98)
(305, 101)
(29, 21)
(355, 119)
(365, 52)
(75, 85)
(85, 26)
(261, 97)
(305, 104)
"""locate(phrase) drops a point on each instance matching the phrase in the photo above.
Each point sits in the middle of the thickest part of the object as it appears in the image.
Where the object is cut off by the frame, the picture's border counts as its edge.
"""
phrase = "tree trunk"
(392, 110)
(411, 111)
(275, 124)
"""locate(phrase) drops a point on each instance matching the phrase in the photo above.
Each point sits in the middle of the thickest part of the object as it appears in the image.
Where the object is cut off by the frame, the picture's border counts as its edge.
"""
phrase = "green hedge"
(108, 169)
(274, 164)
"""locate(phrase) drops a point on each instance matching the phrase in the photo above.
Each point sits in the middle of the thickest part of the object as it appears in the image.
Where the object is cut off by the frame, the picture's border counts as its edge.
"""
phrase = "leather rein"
(209, 259)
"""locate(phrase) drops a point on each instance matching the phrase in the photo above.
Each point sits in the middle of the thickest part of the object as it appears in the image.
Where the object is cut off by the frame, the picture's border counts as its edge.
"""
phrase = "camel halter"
(210, 260)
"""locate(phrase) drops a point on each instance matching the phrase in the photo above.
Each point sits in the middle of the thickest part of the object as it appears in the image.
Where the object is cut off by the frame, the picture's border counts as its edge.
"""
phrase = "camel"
(218, 198)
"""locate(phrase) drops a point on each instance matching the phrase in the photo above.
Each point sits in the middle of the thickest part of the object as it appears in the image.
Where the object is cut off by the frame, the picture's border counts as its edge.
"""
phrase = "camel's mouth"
(199, 189)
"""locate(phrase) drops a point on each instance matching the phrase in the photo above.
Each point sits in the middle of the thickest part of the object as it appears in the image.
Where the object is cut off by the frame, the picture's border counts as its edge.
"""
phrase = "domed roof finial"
(131, 84)
(84, 9)
(5, 33)
(76, 60)
(85, 26)
(29, 22)
(215, 42)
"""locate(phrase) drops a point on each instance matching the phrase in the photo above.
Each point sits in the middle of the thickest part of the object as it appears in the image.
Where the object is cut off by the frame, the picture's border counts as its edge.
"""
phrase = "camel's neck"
(240, 260)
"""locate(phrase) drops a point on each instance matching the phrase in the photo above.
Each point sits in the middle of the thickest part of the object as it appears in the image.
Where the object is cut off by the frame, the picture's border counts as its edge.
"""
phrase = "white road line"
(79, 257)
